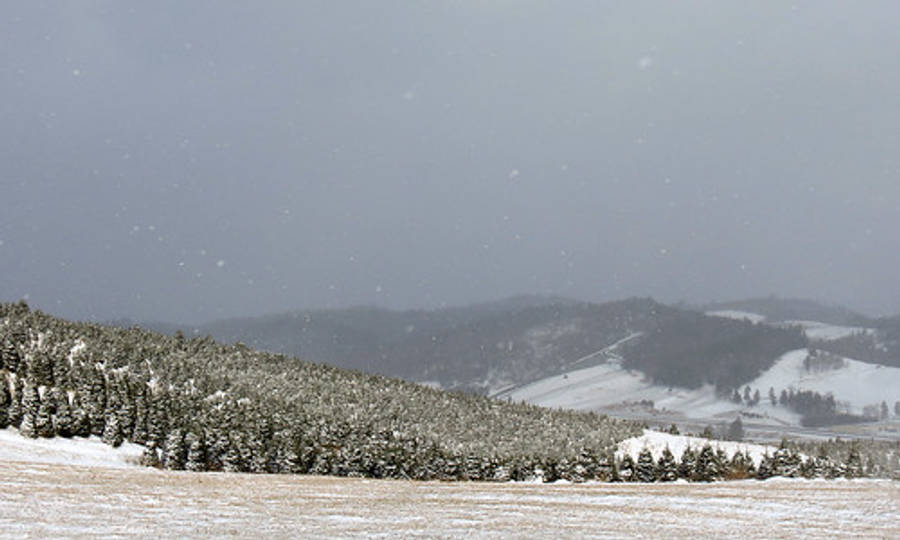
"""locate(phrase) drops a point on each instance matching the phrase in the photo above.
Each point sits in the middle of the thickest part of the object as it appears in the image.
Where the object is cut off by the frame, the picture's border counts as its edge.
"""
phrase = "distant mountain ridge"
(487, 347)
(469, 348)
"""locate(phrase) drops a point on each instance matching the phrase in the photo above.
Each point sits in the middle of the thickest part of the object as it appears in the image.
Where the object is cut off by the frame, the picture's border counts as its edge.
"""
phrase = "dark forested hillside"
(879, 345)
(370, 339)
(689, 349)
(199, 405)
(520, 345)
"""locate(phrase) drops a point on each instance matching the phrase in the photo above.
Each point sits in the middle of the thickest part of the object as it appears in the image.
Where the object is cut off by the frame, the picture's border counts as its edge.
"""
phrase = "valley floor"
(46, 499)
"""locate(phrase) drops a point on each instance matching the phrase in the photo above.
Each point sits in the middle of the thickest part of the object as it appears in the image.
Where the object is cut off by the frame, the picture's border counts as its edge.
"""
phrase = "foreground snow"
(656, 442)
(52, 501)
(77, 451)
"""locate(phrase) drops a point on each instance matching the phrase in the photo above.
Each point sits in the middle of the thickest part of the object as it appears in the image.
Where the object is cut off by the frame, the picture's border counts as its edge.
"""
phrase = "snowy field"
(104, 495)
(49, 500)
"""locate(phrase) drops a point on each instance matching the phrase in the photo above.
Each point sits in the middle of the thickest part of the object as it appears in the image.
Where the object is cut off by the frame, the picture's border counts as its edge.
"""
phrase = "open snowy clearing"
(656, 442)
(76, 451)
(51, 500)
(739, 315)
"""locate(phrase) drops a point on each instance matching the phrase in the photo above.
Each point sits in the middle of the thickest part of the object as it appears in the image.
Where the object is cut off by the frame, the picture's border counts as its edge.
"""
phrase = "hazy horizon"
(185, 162)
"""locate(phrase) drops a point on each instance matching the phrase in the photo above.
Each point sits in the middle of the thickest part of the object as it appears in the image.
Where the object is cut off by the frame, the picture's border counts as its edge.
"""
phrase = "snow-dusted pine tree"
(627, 469)
(645, 470)
(112, 432)
(232, 460)
(853, 466)
(766, 467)
(63, 421)
(174, 452)
(5, 402)
(43, 420)
(150, 456)
(14, 411)
(666, 467)
(31, 403)
(196, 452)
(707, 468)
(688, 464)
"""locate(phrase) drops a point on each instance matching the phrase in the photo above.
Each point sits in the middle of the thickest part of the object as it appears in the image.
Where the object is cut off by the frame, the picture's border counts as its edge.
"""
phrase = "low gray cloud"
(185, 161)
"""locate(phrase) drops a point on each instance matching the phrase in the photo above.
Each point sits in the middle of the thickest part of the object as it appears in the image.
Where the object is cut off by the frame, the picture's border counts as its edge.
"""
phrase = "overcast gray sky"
(185, 161)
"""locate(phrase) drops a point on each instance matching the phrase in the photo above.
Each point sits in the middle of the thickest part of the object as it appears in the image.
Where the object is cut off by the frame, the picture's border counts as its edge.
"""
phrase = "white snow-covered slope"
(76, 451)
(855, 384)
(656, 442)
(739, 315)
(607, 385)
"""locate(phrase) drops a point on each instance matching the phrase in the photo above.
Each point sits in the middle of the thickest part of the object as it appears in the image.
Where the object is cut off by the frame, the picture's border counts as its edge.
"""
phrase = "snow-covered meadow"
(80, 488)
(53, 500)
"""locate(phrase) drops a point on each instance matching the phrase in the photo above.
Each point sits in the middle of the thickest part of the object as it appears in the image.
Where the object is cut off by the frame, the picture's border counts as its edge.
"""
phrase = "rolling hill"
(195, 404)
